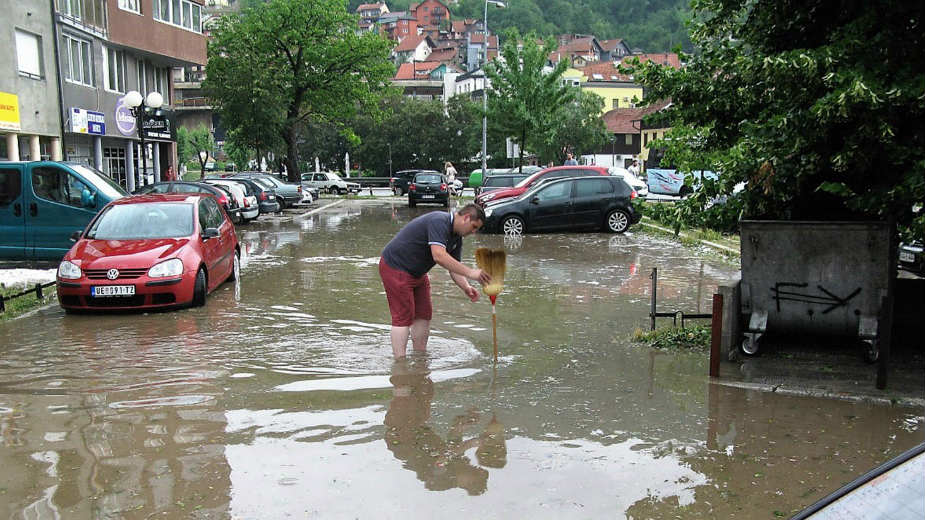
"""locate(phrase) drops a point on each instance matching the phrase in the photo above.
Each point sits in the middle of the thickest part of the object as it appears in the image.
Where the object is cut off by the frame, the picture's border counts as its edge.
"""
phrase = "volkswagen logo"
(112, 274)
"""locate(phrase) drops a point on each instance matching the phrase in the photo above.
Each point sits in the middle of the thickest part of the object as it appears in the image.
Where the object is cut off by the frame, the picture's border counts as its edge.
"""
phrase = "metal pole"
(485, 95)
(654, 277)
(716, 334)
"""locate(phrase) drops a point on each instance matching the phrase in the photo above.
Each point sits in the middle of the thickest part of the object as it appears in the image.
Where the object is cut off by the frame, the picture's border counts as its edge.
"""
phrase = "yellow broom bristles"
(493, 262)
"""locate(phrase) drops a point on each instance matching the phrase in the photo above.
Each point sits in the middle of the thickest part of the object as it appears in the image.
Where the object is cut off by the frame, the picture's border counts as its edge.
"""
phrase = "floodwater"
(280, 398)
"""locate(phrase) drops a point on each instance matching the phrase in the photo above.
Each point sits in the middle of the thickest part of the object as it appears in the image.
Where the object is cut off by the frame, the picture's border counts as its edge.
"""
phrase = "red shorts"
(409, 297)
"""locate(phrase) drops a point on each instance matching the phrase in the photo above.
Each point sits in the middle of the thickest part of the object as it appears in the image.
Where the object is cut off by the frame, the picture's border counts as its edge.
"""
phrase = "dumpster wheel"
(871, 351)
(750, 344)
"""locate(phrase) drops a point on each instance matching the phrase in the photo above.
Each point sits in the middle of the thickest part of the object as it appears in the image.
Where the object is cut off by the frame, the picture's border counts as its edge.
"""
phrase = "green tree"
(237, 150)
(297, 60)
(191, 142)
(580, 127)
(526, 100)
(817, 105)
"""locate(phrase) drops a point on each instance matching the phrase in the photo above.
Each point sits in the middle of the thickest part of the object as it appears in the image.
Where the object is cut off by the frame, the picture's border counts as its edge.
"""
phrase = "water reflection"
(439, 461)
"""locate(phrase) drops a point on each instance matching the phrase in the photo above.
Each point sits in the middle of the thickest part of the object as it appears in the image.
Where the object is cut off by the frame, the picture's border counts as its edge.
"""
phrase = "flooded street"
(280, 398)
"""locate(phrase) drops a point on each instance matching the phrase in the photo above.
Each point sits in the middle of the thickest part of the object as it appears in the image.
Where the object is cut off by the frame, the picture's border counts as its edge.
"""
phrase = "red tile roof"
(607, 70)
(363, 7)
(410, 43)
(580, 45)
(441, 55)
(665, 58)
(621, 120)
(415, 70)
(480, 38)
(609, 45)
(460, 25)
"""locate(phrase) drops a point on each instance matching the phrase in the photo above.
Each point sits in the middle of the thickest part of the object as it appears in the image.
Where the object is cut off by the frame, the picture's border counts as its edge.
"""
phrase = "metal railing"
(676, 315)
(37, 289)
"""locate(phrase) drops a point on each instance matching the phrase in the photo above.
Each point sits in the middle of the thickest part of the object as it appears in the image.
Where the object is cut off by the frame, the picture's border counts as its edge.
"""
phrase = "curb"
(714, 245)
(912, 402)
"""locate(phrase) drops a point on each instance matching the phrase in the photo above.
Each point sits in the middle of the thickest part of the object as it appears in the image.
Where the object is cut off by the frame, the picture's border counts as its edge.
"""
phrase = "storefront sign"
(87, 122)
(9, 111)
(125, 121)
(157, 126)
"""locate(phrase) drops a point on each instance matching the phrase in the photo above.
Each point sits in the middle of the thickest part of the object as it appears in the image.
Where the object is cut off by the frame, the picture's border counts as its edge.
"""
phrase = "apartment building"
(30, 122)
(109, 48)
(77, 61)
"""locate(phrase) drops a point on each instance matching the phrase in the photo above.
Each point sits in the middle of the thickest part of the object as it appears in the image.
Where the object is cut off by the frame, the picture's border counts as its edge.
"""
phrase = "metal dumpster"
(826, 278)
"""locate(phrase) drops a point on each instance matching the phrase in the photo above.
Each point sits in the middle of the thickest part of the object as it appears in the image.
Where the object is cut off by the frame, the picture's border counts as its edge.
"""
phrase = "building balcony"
(193, 103)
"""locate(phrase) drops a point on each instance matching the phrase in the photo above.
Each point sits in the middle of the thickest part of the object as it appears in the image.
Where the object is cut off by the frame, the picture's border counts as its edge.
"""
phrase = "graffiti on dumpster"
(788, 291)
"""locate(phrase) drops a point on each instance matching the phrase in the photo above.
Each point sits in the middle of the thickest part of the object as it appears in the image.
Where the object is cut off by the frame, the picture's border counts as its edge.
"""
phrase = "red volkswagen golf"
(150, 251)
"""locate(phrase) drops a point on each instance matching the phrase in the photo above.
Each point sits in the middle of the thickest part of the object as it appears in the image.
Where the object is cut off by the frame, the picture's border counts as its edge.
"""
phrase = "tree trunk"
(292, 156)
(523, 140)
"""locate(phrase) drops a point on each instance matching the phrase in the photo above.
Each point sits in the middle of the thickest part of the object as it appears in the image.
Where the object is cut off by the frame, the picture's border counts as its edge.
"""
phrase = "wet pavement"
(280, 397)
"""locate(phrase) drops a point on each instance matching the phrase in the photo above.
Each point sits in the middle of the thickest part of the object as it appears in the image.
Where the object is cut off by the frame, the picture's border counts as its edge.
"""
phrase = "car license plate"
(905, 256)
(428, 196)
(112, 290)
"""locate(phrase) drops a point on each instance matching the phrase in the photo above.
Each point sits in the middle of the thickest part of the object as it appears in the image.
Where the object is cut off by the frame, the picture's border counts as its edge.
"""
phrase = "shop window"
(114, 164)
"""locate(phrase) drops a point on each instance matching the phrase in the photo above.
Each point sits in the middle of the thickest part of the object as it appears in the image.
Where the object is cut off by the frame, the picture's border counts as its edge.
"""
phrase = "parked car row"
(244, 195)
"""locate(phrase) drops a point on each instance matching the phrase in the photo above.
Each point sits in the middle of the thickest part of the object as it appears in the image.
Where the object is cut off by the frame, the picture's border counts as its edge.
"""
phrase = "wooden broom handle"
(494, 330)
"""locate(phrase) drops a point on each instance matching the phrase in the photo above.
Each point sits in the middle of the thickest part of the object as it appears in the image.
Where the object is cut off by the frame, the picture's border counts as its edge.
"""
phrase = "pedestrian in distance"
(431, 239)
(570, 160)
(634, 168)
(450, 172)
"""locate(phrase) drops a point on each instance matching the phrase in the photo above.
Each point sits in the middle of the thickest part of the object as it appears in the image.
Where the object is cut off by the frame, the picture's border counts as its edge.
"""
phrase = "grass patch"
(694, 238)
(23, 304)
(695, 338)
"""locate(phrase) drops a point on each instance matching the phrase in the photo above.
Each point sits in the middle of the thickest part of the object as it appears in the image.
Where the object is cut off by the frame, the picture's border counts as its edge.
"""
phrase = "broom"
(493, 262)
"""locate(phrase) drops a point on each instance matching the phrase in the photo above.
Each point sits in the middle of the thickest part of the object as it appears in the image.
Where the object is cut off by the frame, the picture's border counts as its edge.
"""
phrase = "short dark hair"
(474, 212)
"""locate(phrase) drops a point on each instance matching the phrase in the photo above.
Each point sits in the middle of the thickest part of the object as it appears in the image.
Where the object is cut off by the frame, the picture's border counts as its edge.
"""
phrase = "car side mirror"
(534, 200)
(87, 199)
(75, 236)
(208, 233)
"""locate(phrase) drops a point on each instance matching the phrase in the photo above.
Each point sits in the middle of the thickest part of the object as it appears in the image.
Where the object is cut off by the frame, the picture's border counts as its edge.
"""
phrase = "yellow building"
(617, 90)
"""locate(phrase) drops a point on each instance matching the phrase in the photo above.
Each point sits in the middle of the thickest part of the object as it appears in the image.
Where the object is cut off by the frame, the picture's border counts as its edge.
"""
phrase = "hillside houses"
(439, 58)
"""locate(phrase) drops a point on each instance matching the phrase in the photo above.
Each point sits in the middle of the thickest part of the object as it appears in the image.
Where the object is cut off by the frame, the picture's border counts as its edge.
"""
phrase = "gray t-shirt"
(409, 250)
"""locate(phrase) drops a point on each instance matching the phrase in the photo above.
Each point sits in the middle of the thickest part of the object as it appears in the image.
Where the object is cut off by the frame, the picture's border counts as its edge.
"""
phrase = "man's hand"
(471, 292)
(480, 275)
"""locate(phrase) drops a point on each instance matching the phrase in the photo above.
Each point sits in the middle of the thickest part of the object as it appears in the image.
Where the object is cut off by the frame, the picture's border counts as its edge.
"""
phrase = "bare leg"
(399, 337)
(420, 332)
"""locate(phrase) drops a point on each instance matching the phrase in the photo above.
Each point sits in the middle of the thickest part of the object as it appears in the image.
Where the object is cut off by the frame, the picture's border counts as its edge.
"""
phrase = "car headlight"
(68, 271)
(489, 211)
(172, 267)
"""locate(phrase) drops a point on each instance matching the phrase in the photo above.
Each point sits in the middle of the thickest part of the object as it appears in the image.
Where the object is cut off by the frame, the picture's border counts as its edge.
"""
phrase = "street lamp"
(137, 106)
(500, 4)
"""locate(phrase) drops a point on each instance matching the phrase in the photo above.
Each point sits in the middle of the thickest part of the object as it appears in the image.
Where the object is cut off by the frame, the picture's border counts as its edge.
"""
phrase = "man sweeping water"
(431, 239)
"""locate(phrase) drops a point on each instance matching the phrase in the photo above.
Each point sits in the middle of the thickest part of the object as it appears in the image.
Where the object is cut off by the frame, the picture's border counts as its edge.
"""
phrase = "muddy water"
(280, 398)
